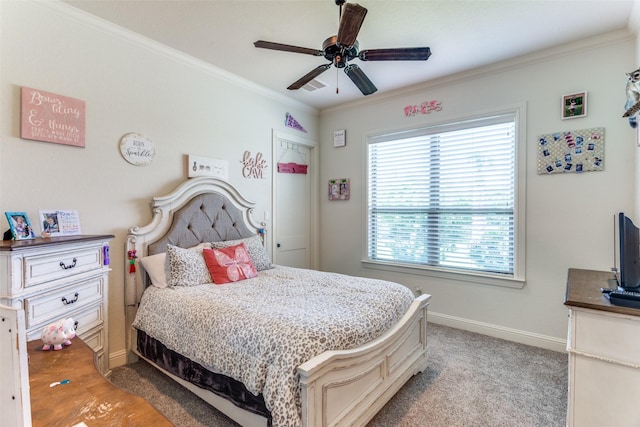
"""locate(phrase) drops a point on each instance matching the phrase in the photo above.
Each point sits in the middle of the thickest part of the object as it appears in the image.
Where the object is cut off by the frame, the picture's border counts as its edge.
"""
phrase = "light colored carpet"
(472, 381)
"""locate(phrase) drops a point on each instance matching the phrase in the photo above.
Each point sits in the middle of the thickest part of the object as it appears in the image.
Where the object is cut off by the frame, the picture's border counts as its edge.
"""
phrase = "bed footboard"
(347, 388)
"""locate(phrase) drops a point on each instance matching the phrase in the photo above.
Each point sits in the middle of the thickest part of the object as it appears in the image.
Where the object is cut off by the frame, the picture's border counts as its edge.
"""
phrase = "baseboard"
(509, 334)
(118, 358)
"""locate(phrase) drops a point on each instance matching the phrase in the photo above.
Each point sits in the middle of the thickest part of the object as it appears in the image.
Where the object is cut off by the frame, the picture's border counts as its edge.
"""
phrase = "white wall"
(569, 216)
(129, 85)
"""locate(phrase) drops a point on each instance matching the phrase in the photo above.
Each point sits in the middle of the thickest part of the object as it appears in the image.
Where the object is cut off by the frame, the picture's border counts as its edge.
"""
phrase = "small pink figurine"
(58, 334)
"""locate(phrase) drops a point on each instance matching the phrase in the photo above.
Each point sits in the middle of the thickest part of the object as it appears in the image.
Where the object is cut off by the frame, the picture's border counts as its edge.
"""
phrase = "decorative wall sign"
(205, 166)
(571, 151)
(137, 149)
(289, 121)
(339, 189)
(340, 138)
(424, 108)
(292, 168)
(52, 118)
(253, 167)
(574, 105)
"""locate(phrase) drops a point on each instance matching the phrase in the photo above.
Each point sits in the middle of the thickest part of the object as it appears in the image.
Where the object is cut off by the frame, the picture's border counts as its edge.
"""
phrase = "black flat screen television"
(629, 258)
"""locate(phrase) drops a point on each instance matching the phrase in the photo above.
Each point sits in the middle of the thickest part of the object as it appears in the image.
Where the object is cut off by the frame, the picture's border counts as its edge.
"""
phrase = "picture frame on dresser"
(20, 225)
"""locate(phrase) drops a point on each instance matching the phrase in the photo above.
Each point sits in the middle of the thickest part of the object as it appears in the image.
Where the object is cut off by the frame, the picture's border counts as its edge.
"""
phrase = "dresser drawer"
(61, 304)
(607, 336)
(47, 267)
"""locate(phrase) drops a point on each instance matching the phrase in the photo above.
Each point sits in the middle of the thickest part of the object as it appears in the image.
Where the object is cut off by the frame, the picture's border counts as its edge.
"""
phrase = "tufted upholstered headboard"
(208, 217)
(199, 210)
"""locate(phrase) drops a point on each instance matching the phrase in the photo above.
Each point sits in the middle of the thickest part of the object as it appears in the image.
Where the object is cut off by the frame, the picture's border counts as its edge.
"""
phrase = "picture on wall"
(574, 105)
(571, 151)
(339, 189)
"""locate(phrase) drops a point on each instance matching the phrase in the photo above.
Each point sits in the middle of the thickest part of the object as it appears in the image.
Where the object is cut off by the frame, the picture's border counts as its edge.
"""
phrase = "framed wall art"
(20, 225)
(339, 189)
(574, 105)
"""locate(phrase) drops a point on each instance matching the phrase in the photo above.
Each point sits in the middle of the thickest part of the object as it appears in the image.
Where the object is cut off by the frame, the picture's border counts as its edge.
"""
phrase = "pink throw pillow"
(230, 264)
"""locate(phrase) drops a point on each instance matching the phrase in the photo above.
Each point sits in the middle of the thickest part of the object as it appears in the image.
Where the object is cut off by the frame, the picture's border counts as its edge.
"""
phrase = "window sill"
(476, 278)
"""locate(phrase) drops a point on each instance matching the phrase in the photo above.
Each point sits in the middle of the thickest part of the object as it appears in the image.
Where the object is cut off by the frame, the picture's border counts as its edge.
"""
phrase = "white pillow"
(258, 254)
(155, 266)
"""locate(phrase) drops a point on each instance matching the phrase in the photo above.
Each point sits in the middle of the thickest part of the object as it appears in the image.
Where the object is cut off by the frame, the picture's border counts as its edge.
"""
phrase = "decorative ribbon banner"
(292, 168)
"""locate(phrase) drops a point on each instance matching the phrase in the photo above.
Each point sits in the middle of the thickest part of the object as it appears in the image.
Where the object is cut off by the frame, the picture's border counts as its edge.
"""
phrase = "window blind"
(445, 196)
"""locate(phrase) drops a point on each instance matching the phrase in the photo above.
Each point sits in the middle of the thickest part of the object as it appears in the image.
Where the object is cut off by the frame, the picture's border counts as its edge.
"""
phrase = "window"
(446, 197)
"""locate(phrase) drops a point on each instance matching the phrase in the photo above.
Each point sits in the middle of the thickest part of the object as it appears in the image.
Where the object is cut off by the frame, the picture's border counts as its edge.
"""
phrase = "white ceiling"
(462, 35)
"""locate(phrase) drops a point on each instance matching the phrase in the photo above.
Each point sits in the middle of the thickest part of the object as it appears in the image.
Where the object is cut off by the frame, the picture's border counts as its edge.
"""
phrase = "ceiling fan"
(344, 47)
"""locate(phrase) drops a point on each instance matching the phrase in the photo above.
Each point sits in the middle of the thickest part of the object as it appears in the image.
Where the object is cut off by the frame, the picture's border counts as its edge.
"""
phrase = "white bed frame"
(339, 388)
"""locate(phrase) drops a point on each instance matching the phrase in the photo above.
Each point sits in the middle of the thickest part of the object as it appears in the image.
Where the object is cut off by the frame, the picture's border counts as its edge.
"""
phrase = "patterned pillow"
(230, 264)
(186, 267)
(255, 248)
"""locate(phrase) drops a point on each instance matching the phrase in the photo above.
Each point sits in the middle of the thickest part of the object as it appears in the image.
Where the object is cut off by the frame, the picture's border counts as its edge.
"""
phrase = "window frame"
(517, 280)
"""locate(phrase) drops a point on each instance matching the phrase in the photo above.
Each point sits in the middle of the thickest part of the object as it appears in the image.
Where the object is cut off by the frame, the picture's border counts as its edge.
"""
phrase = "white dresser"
(57, 278)
(604, 355)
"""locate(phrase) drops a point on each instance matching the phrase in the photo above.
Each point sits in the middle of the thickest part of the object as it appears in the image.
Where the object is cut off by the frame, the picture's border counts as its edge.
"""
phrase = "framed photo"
(20, 225)
(574, 105)
(59, 222)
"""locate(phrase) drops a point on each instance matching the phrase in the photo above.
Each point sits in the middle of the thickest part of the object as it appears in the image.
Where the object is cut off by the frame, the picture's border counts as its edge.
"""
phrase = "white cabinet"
(604, 355)
(57, 278)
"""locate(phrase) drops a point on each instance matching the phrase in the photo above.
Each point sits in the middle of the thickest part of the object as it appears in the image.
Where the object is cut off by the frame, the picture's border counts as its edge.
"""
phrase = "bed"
(333, 349)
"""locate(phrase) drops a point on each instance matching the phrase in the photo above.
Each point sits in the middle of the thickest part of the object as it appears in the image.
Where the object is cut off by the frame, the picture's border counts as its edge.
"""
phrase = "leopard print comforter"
(258, 331)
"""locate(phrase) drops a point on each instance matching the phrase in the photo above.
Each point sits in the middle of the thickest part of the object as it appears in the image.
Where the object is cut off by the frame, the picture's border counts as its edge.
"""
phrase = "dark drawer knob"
(65, 301)
(66, 267)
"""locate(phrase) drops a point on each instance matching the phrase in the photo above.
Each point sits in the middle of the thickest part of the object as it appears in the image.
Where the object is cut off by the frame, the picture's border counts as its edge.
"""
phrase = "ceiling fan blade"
(359, 78)
(350, 23)
(309, 76)
(398, 54)
(287, 48)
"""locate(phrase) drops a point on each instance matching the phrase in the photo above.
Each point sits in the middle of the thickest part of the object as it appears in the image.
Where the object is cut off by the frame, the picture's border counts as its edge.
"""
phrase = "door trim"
(314, 248)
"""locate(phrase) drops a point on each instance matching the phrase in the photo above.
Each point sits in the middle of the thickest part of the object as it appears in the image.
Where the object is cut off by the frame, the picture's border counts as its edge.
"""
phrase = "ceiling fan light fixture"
(343, 47)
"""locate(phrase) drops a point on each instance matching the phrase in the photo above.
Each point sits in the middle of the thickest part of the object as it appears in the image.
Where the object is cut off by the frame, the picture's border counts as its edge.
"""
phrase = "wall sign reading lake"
(52, 118)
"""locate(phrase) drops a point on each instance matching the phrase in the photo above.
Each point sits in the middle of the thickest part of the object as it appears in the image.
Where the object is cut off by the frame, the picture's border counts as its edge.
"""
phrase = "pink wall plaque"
(52, 118)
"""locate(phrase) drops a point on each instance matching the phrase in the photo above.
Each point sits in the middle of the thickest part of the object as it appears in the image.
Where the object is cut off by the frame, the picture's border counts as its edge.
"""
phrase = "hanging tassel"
(132, 261)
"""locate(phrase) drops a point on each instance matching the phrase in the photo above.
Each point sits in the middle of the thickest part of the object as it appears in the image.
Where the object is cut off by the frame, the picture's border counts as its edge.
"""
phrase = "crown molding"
(81, 17)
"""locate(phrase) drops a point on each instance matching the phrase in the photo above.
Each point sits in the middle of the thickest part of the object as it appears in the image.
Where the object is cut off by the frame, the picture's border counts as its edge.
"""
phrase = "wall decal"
(424, 108)
(571, 151)
(52, 118)
(253, 167)
(289, 121)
